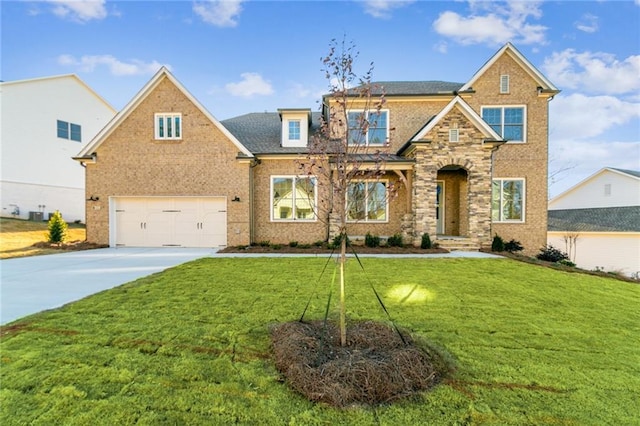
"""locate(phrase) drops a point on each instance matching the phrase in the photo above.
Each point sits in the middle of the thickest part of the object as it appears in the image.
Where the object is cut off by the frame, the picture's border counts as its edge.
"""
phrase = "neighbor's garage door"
(170, 222)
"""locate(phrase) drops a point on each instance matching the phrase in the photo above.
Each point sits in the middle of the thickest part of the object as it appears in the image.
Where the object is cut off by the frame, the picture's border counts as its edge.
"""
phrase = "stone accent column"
(424, 197)
(407, 228)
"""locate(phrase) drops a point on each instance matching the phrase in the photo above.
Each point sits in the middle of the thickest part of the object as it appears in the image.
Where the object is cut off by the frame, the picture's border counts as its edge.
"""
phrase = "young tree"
(57, 228)
(348, 153)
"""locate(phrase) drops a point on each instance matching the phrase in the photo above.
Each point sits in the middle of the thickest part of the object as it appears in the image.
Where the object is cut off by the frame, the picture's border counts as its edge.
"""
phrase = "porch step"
(457, 244)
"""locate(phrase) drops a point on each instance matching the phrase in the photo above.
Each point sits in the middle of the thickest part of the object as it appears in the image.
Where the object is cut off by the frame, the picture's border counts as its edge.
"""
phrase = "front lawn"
(191, 346)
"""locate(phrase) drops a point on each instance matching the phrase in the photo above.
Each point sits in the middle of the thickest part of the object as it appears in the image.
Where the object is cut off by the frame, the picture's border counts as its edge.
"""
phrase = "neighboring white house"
(597, 221)
(45, 122)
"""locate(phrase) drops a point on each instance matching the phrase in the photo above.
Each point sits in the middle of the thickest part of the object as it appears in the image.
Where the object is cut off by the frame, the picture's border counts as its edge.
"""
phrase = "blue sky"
(246, 56)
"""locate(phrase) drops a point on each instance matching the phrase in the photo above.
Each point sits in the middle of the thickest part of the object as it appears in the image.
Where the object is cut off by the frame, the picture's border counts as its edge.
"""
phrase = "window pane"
(76, 132)
(512, 200)
(495, 200)
(177, 126)
(63, 129)
(376, 202)
(356, 136)
(493, 116)
(282, 198)
(356, 197)
(305, 197)
(161, 127)
(169, 129)
(377, 128)
(294, 130)
(513, 116)
(513, 133)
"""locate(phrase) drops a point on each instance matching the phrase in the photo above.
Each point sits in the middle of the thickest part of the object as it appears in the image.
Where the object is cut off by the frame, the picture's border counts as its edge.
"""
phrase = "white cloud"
(588, 23)
(578, 117)
(221, 13)
(88, 63)
(383, 8)
(79, 10)
(493, 23)
(593, 72)
(251, 84)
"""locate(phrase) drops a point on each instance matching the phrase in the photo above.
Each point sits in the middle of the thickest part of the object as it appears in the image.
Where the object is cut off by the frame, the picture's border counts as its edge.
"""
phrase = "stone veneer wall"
(130, 162)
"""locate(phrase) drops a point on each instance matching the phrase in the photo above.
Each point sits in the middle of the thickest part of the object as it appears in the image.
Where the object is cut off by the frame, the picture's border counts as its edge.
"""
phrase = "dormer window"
(504, 84)
(295, 127)
(168, 126)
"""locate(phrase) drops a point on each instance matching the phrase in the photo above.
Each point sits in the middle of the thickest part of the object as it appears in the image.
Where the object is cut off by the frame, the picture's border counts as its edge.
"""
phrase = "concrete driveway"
(34, 284)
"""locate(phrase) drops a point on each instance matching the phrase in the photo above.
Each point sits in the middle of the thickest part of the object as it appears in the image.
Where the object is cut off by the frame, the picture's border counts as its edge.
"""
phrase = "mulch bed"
(69, 246)
(375, 366)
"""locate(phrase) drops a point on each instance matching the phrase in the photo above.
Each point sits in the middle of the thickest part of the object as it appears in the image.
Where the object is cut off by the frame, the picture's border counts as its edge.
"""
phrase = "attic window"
(504, 83)
(168, 126)
(294, 130)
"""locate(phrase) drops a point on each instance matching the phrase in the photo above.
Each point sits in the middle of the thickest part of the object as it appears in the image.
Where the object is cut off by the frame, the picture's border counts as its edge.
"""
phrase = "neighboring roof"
(261, 132)
(91, 147)
(510, 49)
(60, 77)
(410, 88)
(629, 173)
(606, 219)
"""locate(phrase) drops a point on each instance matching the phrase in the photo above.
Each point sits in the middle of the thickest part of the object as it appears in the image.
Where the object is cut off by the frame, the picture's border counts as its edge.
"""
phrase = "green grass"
(190, 346)
(17, 237)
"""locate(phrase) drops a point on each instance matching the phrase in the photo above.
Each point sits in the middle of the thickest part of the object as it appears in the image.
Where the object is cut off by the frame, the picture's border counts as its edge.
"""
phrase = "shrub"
(264, 243)
(57, 228)
(551, 254)
(513, 246)
(337, 240)
(395, 240)
(293, 244)
(318, 243)
(426, 242)
(497, 244)
(304, 246)
(567, 263)
(371, 240)
(276, 246)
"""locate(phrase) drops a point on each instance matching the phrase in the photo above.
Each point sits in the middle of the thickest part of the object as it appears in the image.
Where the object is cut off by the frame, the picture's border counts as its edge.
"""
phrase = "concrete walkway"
(37, 283)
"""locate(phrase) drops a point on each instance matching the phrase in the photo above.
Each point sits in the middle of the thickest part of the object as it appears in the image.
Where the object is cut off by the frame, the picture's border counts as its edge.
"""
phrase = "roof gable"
(467, 111)
(148, 88)
(509, 49)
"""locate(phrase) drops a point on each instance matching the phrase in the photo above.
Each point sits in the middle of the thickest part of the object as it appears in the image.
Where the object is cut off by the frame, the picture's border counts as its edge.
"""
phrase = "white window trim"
(293, 219)
(165, 115)
(504, 84)
(386, 202)
(524, 120)
(386, 140)
(524, 200)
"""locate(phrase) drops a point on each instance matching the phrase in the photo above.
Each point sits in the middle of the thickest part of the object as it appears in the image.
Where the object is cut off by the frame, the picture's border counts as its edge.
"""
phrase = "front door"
(439, 207)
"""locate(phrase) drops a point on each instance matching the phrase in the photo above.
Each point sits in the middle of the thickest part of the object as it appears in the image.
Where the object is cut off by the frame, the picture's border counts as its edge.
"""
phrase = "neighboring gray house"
(597, 222)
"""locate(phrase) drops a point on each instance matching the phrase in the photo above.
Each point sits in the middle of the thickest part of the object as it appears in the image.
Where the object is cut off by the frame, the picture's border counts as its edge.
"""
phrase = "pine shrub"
(395, 240)
(371, 240)
(57, 229)
(551, 254)
(498, 244)
(426, 242)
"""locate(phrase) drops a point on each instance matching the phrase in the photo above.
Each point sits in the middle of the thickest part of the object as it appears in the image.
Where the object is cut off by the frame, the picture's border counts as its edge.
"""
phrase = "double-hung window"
(168, 126)
(70, 131)
(293, 198)
(368, 127)
(294, 130)
(507, 200)
(508, 122)
(367, 201)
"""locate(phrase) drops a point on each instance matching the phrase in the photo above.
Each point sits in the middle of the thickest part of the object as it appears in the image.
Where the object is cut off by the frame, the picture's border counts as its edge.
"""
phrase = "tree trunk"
(343, 308)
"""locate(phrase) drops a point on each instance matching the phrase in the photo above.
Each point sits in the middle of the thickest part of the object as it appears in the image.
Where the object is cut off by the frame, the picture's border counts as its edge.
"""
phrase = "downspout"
(252, 165)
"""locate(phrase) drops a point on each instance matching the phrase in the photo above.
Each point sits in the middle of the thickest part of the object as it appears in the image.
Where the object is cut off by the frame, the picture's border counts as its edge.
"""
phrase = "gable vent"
(504, 83)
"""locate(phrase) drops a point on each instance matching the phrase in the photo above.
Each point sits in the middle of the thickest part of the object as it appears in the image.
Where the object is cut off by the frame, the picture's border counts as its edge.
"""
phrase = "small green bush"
(276, 246)
(304, 246)
(264, 243)
(551, 254)
(293, 244)
(371, 240)
(335, 243)
(318, 243)
(497, 244)
(567, 263)
(513, 246)
(57, 228)
(426, 242)
(395, 240)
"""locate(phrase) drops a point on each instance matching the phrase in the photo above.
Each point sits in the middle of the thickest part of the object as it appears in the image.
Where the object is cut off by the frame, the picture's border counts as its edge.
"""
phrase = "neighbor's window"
(70, 131)
(507, 200)
(294, 130)
(293, 198)
(368, 127)
(168, 126)
(367, 201)
(508, 122)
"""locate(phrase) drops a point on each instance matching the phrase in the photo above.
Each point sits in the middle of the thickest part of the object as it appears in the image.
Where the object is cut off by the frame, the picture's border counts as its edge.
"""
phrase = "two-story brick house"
(467, 160)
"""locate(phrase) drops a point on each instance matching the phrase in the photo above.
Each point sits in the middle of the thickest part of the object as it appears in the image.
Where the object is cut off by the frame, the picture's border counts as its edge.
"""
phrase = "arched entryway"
(452, 201)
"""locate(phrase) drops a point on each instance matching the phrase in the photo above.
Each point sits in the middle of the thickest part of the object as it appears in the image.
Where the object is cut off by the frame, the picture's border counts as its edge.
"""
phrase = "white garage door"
(169, 221)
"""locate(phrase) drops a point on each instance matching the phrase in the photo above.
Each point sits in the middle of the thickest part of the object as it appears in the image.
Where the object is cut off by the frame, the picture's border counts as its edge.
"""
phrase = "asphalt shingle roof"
(413, 88)
(635, 173)
(605, 219)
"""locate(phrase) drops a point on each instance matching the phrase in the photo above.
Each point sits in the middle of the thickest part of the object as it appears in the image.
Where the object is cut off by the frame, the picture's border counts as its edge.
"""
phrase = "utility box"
(36, 216)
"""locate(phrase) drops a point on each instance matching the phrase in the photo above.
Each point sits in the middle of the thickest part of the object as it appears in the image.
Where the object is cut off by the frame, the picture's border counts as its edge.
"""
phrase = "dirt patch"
(325, 249)
(376, 366)
(69, 246)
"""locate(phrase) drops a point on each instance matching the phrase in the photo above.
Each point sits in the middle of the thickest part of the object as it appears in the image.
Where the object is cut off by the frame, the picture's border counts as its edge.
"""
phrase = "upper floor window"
(168, 126)
(367, 201)
(294, 130)
(508, 122)
(507, 200)
(70, 131)
(368, 127)
(504, 83)
(293, 198)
